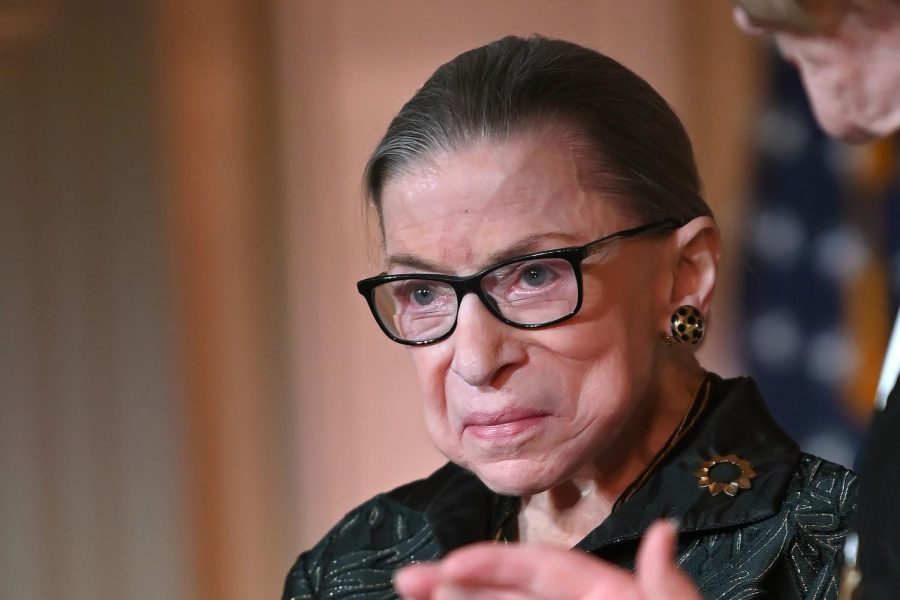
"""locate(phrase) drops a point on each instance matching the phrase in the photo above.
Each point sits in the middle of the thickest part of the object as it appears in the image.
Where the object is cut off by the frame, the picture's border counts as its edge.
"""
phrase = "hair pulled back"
(633, 144)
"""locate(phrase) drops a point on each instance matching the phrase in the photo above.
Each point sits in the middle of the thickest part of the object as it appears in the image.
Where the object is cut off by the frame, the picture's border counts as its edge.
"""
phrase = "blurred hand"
(532, 571)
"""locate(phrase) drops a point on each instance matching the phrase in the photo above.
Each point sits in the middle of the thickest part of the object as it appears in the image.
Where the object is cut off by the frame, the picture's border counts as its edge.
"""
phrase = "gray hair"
(634, 145)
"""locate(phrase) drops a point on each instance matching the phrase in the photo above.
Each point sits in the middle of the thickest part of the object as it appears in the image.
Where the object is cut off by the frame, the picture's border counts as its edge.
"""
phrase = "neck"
(567, 512)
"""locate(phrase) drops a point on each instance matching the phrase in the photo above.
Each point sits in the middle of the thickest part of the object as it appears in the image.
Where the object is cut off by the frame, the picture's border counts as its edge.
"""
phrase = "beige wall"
(92, 452)
(345, 69)
(214, 106)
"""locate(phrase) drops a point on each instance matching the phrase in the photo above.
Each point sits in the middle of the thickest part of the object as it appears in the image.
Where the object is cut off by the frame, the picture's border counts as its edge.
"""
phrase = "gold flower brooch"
(725, 474)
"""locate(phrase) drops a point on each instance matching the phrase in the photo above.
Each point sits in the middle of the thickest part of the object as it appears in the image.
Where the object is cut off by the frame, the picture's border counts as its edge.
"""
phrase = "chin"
(515, 477)
(865, 127)
(849, 133)
(854, 119)
(838, 125)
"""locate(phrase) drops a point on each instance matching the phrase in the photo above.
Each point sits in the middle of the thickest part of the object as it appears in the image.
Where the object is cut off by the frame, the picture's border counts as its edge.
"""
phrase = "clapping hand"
(536, 571)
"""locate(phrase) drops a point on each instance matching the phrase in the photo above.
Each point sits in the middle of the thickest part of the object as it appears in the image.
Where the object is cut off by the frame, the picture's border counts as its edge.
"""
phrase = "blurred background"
(191, 390)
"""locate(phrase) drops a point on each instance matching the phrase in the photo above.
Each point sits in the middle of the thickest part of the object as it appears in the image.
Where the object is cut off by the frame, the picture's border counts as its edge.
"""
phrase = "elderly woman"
(548, 261)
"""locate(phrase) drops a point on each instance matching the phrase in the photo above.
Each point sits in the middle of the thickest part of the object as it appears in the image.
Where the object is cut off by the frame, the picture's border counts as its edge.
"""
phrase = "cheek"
(591, 365)
(438, 417)
(431, 364)
(610, 345)
(831, 75)
(607, 375)
(614, 318)
(592, 360)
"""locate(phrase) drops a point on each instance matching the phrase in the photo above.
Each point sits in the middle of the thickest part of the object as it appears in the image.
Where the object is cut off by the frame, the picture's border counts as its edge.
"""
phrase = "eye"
(422, 295)
(535, 275)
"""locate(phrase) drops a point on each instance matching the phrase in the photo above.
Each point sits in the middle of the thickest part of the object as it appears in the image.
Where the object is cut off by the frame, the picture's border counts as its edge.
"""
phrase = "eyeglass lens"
(528, 292)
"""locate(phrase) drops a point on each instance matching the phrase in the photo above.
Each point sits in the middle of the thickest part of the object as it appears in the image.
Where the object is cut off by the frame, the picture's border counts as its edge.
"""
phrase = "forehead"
(456, 209)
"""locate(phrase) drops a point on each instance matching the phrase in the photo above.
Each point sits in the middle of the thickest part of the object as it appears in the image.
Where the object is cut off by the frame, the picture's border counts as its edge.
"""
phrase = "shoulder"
(371, 541)
(792, 553)
(820, 505)
(821, 487)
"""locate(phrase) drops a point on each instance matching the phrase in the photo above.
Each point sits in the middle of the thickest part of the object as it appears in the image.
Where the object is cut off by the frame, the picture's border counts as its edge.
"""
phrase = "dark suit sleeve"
(878, 522)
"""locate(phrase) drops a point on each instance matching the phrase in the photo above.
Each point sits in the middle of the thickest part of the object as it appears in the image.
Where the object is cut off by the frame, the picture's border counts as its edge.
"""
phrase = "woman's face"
(526, 409)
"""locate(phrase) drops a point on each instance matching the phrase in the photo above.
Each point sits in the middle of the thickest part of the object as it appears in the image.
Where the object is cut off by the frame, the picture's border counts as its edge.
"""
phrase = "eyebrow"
(522, 247)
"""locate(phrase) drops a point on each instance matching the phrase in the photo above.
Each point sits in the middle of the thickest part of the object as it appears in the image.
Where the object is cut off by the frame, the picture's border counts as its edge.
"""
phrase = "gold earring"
(688, 326)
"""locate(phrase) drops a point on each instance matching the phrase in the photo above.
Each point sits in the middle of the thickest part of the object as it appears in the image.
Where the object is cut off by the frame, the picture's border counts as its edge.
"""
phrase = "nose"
(483, 347)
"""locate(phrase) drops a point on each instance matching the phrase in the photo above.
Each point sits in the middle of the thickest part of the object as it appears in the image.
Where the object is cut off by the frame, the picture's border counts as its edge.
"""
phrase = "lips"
(503, 424)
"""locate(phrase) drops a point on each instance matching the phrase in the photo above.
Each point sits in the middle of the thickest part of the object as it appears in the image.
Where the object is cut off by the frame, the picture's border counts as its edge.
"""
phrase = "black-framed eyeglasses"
(531, 291)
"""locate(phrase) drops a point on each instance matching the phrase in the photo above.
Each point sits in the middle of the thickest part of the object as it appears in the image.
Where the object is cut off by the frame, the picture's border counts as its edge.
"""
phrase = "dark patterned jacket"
(778, 539)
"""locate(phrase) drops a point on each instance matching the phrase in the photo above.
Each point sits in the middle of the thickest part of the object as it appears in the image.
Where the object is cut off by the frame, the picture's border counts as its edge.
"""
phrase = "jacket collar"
(734, 420)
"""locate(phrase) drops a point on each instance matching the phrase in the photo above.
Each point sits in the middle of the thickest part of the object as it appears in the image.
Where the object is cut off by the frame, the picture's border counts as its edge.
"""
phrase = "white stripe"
(891, 368)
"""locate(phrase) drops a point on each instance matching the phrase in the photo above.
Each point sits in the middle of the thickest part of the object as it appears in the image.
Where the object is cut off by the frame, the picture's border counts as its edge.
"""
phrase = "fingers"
(536, 571)
(657, 574)
(513, 572)
(424, 582)
(655, 557)
(418, 582)
(454, 592)
(546, 571)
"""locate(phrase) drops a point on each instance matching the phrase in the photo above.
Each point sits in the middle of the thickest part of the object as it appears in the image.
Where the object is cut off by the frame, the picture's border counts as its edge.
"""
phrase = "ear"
(694, 266)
